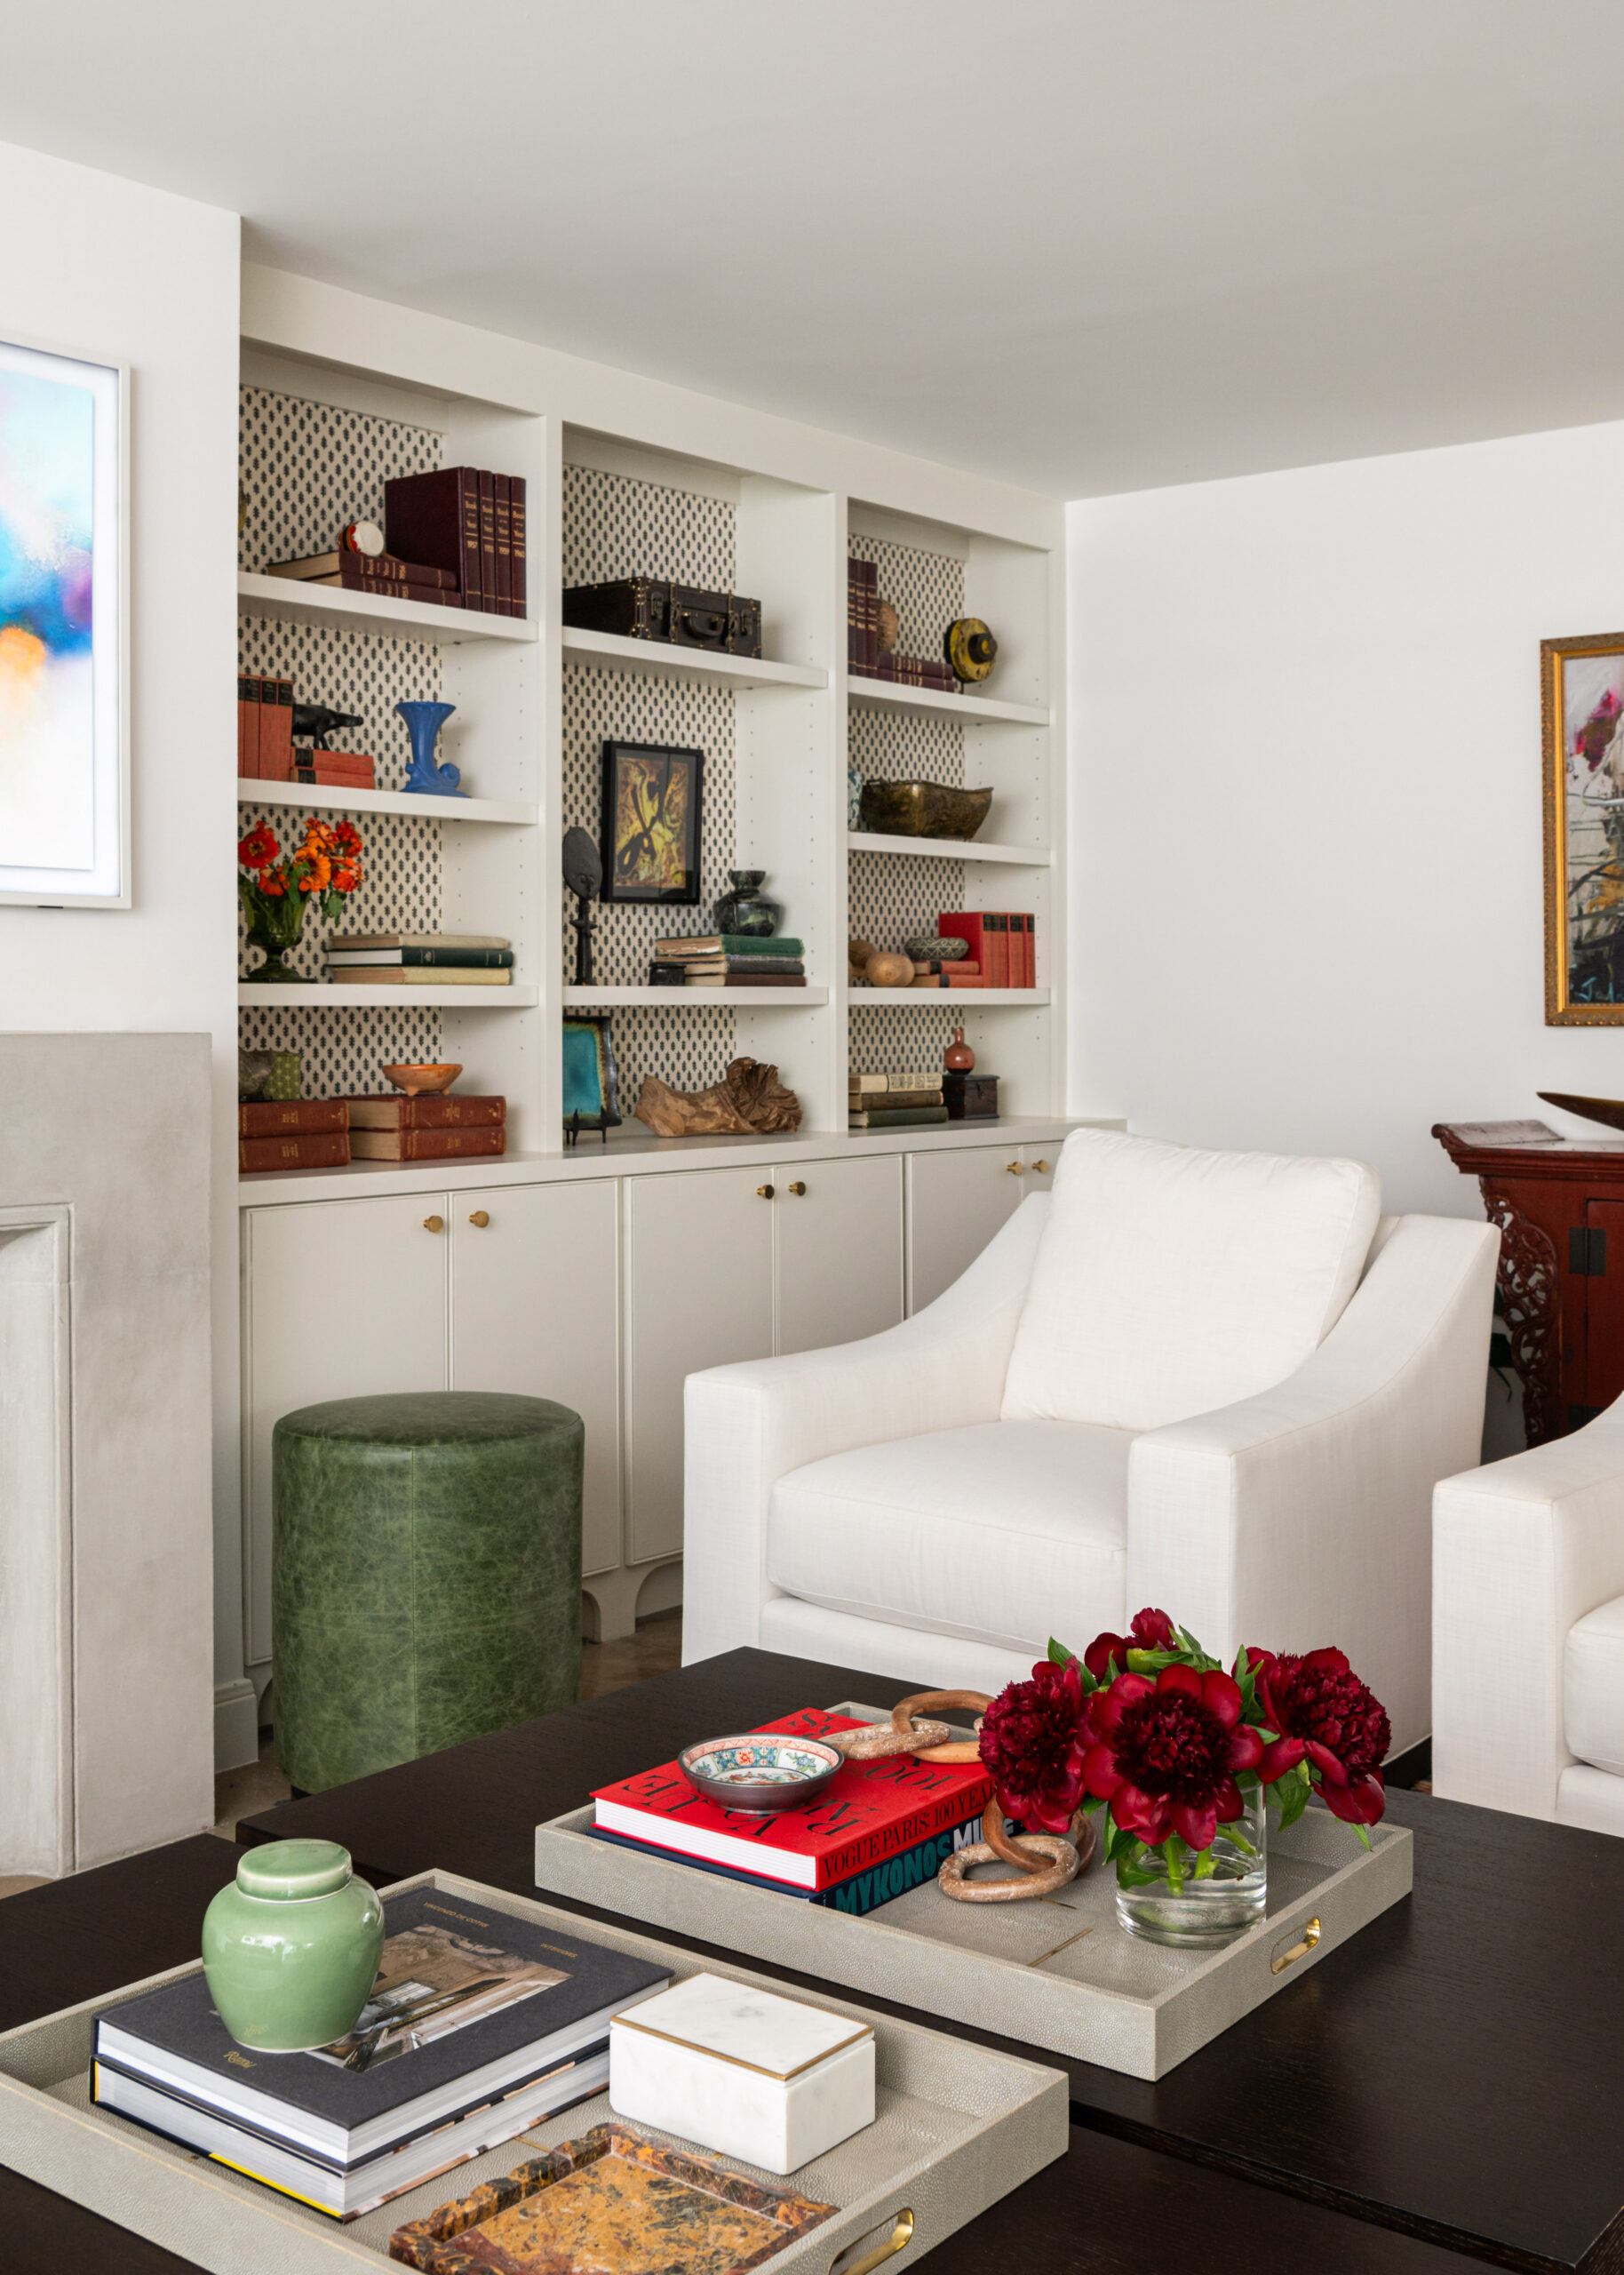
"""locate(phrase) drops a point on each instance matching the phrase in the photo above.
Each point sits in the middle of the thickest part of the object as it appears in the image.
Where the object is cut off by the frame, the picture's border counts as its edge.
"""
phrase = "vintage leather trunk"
(650, 607)
(969, 1097)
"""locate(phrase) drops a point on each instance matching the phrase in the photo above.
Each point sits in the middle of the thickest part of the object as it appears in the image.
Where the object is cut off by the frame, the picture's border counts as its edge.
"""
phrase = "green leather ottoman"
(425, 1576)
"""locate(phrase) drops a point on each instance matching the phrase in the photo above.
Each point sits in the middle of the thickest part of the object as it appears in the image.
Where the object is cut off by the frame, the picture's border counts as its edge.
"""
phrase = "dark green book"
(896, 1117)
(447, 959)
(726, 943)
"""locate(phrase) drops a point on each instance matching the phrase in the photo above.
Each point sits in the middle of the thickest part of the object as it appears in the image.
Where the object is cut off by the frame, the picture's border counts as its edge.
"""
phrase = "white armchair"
(1528, 1630)
(1209, 1382)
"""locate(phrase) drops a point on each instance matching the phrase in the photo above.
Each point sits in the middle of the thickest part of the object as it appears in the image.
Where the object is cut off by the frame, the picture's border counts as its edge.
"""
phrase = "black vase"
(746, 911)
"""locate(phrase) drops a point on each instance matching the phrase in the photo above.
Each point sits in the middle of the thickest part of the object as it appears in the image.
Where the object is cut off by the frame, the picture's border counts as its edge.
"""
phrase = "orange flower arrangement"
(271, 884)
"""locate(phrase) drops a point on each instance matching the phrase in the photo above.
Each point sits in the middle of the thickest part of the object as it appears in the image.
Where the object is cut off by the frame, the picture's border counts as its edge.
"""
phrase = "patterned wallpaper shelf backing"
(617, 527)
(893, 898)
(308, 469)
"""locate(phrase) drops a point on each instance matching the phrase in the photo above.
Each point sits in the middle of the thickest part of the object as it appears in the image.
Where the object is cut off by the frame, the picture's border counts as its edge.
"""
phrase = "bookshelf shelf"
(283, 598)
(324, 799)
(946, 849)
(320, 996)
(702, 999)
(976, 999)
(700, 667)
(926, 703)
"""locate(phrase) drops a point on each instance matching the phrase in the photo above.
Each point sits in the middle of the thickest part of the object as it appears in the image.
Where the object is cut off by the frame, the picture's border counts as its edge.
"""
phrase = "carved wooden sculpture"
(749, 1100)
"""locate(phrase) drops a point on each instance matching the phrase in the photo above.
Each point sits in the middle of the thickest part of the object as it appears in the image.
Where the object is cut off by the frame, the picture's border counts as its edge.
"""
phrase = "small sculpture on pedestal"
(584, 875)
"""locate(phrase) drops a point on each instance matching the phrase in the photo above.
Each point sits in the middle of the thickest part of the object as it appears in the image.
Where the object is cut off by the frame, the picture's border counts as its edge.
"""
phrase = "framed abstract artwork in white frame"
(64, 628)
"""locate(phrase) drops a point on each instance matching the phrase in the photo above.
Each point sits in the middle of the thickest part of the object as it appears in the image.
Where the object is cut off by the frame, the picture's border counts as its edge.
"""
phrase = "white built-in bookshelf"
(627, 476)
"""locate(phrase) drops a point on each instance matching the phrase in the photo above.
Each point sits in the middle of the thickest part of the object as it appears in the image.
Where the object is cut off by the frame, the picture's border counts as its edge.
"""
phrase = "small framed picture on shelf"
(1582, 687)
(591, 1100)
(64, 639)
(652, 805)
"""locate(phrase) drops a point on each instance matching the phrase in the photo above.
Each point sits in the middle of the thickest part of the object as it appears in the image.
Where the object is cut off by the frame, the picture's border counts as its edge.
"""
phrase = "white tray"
(956, 2128)
(1059, 1972)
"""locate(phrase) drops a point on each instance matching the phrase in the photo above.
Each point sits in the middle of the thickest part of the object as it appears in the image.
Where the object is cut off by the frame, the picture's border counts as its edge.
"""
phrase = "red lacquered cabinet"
(1560, 1209)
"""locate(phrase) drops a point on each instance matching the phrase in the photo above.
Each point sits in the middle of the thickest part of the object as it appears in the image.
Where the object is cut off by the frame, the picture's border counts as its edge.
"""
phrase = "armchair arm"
(748, 1425)
(1300, 1517)
(1521, 1550)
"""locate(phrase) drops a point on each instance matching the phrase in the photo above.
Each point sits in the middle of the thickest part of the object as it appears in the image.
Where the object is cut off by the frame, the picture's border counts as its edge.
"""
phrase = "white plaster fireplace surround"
(106, 1617)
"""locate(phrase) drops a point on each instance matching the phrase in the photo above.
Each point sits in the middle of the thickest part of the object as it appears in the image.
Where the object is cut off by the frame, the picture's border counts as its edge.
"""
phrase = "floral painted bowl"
(760, 1775)
(424, 1081)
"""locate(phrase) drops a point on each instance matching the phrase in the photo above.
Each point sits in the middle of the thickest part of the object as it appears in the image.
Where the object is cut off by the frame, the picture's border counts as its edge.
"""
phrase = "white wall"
(1305, 798)
(110, 268)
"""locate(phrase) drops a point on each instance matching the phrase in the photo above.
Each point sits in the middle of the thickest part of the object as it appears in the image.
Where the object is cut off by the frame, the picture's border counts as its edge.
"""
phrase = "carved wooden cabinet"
(1560, 1209)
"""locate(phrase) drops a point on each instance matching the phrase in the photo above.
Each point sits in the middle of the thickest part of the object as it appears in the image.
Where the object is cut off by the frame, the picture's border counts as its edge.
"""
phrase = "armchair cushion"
(1170, 1282)
(989, 1533)
(1593, 1687)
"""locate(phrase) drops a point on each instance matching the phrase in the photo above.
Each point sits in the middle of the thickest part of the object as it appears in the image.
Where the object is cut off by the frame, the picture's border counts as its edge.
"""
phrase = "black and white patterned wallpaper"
(897, 1041)
(617, 527)
(306, 469)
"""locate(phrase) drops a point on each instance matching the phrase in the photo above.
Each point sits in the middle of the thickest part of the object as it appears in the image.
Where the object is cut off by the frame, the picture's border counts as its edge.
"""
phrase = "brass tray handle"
(1311, 1937)
(900, 2236)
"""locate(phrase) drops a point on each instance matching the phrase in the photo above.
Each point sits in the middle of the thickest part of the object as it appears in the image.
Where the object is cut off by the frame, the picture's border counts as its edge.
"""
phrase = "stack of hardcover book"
(895, 1101)
(935, 971)
(336, 769)
(478, 2025)
(392, 1127)
(293, 1134)
(726, 959)
(877, 1829)
(382, 576)
(420, 960)
(466, 524)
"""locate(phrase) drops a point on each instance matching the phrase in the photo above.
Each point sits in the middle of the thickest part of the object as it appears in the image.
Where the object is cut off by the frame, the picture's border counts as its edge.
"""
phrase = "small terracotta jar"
(958, 1057)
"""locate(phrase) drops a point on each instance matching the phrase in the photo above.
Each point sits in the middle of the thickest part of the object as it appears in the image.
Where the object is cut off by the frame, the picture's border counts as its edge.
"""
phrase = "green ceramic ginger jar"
(290, 1949)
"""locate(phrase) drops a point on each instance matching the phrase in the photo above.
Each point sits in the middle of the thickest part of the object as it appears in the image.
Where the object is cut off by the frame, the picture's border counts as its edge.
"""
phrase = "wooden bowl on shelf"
(923, 809)
(423, 1081)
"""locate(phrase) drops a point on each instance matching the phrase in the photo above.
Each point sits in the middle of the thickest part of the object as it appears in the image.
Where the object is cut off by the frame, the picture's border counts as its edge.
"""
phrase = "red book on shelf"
(505, 544)
(868, 1811)
(291, 1117)
(441, 1113)
(515, 485)
(275, 730)
(949, 977)
(321, 1150)
(328, 778)
(435, 518)
(357, 571)
(336, 762)
(488, 542)
(1028, 949)
(401, 1145)
(971, 924)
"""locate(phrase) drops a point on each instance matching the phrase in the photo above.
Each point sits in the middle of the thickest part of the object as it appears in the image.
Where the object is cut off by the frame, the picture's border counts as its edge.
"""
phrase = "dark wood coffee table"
(1445, 2091)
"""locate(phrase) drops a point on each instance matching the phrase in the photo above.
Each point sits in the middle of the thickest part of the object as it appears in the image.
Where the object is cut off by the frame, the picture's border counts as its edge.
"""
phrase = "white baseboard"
(236, 1725)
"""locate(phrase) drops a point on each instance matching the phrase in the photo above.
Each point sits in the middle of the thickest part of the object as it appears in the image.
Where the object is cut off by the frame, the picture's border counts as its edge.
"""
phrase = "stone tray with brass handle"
(1056, 1972)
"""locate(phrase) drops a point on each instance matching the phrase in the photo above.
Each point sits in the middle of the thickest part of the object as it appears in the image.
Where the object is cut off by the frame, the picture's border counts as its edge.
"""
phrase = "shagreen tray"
(1059, 1972)
(956, 2128)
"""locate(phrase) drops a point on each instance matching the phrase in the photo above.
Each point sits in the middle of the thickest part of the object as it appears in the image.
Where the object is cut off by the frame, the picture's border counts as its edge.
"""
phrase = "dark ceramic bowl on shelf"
(759, 1773)
(923, 809)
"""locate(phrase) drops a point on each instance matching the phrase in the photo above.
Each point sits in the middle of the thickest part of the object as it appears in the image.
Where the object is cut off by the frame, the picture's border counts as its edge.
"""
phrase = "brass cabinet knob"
(1040, 1168)
(798, 1187)
(1014, 1169)
(481, 1217)
(765, 1192)
(434, 1224)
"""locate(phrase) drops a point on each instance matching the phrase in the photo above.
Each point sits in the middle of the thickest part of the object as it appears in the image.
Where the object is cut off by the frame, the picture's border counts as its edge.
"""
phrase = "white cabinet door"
(957, 1199)
(1040, 1162)
(699, 1293)
(344, 1299)
(840, 1228)
(535, 1310)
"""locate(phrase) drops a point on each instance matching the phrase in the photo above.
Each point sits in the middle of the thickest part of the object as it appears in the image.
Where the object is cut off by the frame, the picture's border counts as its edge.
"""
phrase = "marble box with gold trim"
(770, 2081)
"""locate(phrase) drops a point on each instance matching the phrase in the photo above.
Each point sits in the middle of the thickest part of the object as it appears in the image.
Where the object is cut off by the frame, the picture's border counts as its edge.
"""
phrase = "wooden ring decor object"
(1048, 1861)
(910, 1732)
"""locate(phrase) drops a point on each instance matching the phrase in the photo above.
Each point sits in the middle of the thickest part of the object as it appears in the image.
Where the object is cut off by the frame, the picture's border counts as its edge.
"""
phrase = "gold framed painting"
(1581, 686)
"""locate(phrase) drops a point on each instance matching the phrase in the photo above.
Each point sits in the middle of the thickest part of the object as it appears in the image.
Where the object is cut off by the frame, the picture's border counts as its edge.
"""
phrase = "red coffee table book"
(870, 1811)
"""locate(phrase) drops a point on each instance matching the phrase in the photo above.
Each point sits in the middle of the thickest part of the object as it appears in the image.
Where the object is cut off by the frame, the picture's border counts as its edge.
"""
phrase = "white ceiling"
(1086, 244)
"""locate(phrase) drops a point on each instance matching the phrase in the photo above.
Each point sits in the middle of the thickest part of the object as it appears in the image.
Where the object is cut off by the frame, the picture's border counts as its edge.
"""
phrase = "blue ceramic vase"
(424, 721)
(291, 1947)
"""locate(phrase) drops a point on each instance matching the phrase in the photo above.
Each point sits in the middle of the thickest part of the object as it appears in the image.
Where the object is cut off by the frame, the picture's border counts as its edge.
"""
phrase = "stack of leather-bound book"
(726, 959)
(895, 1101)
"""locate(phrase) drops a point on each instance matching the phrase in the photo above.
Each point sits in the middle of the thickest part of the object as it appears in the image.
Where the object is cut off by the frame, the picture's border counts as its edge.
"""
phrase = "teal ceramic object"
(290, 1948)
(425, 1576)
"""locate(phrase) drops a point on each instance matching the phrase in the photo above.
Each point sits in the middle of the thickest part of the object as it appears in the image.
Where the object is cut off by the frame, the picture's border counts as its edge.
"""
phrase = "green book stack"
(895, 1101)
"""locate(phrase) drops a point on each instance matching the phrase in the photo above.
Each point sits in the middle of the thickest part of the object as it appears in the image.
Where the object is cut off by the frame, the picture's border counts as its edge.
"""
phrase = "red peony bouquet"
(1152, 1730)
